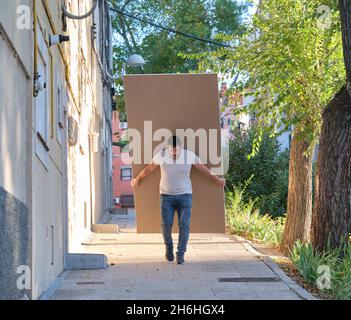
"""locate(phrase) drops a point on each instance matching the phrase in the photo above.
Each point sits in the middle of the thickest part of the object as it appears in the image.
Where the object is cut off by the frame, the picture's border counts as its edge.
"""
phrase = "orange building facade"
(122, 170)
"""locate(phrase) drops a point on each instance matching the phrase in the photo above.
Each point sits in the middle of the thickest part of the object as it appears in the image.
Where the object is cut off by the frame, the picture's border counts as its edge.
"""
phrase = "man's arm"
(143, 174)
(206, 171)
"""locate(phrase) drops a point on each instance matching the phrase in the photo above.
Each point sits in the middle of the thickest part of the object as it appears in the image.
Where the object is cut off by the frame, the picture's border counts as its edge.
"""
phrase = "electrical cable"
(72, 16)
(112, 8)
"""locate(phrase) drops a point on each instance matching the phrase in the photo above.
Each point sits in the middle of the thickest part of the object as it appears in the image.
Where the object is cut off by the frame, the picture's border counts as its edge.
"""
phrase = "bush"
(269, 169)
(243, 219)
(307, 260)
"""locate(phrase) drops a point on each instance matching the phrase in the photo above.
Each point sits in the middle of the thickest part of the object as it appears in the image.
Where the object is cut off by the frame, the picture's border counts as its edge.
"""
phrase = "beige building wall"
(85, 97)
(48, 178)
(15, 149)
(86, 192)
(55, 189)
(15, 86)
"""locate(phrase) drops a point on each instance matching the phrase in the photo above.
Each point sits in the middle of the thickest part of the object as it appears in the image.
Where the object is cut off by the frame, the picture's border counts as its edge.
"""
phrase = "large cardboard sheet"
(176, 101)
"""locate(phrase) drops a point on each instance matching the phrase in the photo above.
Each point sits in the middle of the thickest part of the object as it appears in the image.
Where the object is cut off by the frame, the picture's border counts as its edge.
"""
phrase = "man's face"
(174, 151)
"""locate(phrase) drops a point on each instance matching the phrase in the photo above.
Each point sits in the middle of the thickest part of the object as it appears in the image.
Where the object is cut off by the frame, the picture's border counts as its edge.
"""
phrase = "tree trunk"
(345, 16)
(299, 208)
(331, 214)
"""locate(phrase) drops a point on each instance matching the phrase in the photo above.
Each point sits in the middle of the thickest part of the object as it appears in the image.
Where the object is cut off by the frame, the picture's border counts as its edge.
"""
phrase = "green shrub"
(341, 277)
(307, 260)
(269, 169)
(244, 219)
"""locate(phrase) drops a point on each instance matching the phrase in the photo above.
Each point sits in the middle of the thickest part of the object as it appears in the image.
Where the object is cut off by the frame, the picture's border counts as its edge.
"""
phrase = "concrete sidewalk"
(217, 267)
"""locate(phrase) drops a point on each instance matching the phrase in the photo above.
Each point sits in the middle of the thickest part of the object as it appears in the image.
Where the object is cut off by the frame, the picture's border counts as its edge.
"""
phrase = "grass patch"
(330, 271)
(290, 269)
(245, 220)
(326, 274)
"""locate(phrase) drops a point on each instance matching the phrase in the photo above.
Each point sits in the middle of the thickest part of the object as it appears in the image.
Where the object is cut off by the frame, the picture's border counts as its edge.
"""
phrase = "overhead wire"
(170, 30)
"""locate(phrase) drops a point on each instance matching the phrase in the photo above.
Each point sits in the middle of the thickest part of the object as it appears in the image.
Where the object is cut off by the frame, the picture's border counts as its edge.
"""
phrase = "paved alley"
(217, 266)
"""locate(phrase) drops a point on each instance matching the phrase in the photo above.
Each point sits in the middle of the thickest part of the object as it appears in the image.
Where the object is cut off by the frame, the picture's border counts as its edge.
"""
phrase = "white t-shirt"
(175, 174)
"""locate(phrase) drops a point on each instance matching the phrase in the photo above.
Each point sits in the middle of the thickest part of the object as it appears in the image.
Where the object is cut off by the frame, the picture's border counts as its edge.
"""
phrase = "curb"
(268, 261)
(49, 292)
(86, 261)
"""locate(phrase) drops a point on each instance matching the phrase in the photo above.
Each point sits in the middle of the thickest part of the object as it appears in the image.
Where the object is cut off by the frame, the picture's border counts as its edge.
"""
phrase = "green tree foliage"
(225, 17)
(267, 172)
(290, 59)
(160, 49)
(337, 261)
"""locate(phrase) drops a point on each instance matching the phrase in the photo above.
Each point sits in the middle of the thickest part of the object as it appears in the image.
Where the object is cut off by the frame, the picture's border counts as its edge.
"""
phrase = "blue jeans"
(169, 204)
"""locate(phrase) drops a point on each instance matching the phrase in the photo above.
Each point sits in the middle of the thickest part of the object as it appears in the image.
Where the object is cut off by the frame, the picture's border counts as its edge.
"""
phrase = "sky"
(252, 9)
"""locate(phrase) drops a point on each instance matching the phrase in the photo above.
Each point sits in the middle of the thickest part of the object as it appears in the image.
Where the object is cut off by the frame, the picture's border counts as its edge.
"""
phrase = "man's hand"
(142, 175)
(135, 183)
(220, 181)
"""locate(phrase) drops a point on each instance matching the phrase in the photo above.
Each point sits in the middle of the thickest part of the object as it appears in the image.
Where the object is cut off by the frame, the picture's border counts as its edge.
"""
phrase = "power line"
(112, 8)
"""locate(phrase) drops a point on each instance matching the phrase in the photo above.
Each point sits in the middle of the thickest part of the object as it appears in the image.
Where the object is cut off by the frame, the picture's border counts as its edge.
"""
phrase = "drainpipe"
(98, 59)
(90, 177)
(35, 46)
(97, 54)
(105, 74)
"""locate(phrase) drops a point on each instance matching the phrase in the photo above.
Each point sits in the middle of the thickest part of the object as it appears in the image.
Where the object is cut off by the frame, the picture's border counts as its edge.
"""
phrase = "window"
(126, 174)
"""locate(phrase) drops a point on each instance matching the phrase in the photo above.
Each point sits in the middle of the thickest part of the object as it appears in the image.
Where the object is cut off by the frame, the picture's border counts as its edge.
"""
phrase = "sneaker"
(180, 258)
(169, 253)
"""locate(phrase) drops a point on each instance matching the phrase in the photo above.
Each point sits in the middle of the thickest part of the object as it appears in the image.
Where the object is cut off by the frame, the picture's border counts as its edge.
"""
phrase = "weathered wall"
(15, 244)
(15, 148)
(14, 105)
(79, 182)
(88, 173)
(48, 202)
(48, 179)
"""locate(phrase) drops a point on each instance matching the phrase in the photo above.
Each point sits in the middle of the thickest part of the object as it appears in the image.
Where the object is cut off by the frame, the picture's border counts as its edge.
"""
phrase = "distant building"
(122, 172)
(228, 105)
(229, 120)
